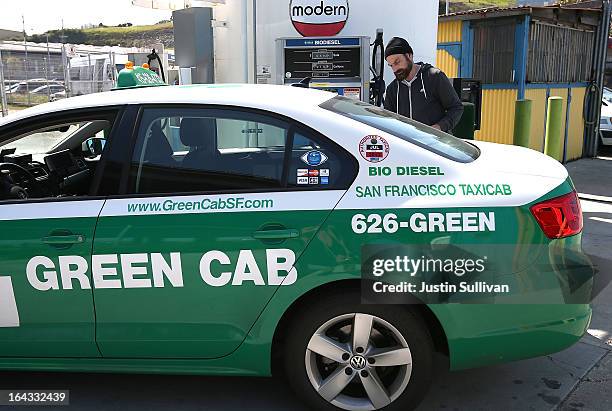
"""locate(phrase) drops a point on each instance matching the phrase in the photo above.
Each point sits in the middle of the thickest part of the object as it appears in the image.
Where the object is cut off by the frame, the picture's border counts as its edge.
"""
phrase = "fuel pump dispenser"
(337, 64)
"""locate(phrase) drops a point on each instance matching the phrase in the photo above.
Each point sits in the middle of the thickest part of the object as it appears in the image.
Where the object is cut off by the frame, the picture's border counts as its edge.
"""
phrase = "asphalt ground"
(577, 379)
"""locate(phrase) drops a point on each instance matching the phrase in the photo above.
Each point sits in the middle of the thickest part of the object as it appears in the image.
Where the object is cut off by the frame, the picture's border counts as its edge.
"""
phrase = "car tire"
(334, 318)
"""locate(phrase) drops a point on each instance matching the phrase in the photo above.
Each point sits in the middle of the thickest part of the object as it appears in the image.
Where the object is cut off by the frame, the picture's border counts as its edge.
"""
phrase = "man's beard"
(402, 74)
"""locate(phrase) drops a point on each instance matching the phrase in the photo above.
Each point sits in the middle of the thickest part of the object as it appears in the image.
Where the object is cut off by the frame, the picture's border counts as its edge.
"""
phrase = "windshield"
(40, 142)
(409, 130)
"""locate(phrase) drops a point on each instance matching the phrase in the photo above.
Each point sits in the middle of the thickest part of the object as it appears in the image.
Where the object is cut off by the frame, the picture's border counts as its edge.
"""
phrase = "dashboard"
(61, 174)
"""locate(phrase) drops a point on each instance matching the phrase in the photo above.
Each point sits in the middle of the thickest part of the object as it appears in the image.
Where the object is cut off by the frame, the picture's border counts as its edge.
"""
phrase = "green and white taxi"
(220, 230)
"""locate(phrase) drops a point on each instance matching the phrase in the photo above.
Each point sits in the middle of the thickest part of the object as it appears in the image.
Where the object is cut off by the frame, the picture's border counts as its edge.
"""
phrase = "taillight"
(559, 217)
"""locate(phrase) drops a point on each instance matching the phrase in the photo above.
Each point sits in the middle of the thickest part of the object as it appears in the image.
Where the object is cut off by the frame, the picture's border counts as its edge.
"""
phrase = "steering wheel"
(16, 168)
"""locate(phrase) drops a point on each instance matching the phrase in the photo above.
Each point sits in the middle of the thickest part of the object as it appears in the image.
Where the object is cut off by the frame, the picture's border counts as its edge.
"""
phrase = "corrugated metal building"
(523, 52)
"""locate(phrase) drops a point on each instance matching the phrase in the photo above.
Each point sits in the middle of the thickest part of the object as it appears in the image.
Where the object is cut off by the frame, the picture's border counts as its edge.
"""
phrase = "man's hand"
(437, 127)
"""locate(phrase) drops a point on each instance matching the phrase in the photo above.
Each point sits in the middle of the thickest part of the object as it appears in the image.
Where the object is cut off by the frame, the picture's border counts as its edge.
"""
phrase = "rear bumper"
(491, 334)
(606, 137)
(488, 334)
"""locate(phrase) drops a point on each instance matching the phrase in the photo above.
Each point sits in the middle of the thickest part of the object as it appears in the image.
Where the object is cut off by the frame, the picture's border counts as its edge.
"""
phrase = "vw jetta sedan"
(220, 230)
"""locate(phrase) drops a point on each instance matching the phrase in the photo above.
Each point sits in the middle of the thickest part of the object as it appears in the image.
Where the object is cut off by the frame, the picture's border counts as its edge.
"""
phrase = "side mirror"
(93, 146)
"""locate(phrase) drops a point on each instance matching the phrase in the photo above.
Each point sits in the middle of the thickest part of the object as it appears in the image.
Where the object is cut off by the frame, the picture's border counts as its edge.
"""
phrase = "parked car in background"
(607, 94)
(8, 84)
(48, 89)
(25, 87)
(58, 96)
(605, 120)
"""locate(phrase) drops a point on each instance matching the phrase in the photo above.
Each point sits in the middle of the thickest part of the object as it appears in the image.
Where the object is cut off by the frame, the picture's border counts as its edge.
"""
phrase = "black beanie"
(397, 45)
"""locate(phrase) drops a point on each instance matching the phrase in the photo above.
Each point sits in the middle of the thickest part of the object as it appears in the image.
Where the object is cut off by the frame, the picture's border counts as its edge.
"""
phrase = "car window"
(407, 129)
(41, 141)
(85, 130)
(202, 150)
(50, 157)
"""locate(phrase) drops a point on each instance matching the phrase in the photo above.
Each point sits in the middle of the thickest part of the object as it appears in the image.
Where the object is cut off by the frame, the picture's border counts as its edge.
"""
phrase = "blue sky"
(43, 15)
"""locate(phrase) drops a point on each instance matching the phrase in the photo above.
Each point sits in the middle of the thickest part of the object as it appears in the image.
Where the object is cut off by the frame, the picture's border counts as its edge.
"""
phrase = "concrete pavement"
(593, 180)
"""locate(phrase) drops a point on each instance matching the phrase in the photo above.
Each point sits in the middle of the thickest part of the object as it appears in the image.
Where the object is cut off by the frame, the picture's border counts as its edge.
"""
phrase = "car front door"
(47, 226)
(212, 223)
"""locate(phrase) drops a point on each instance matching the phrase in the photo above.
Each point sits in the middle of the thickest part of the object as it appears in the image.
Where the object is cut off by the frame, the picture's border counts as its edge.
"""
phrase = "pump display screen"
(322, 55)
(322, 63)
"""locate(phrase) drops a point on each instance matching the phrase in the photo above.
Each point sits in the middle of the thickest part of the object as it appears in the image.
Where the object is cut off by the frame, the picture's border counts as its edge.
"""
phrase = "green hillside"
(133, 36)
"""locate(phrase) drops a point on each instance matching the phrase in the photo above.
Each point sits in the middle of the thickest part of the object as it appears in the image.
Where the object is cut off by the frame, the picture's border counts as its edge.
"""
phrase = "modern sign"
(318, 18)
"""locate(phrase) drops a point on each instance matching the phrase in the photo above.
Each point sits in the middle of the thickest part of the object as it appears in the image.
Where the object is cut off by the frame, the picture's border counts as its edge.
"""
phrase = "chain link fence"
(37, 74)
(92, 73)
(30, 76)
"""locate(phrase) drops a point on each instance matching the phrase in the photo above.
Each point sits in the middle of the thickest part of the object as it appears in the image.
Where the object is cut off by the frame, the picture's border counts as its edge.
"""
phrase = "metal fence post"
(47, 69)
(112, 68)
(66, 71)
(92, 88)
(3, 101)
(25, 63)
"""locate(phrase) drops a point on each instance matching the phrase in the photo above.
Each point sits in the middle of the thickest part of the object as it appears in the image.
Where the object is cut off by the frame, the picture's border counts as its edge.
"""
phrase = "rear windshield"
(412, 131)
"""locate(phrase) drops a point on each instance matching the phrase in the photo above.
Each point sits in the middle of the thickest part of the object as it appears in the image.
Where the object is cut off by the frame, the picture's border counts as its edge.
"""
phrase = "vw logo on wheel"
(358, 362)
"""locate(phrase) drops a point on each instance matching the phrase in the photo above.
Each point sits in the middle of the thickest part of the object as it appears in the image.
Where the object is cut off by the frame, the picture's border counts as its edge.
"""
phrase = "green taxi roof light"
(134, 77)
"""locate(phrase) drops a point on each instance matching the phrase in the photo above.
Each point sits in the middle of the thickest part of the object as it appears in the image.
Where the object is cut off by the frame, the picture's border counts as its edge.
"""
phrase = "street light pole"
(65, 64)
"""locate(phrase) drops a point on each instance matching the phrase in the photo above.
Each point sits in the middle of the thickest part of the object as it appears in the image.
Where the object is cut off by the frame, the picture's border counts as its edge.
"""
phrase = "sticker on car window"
(314, 158)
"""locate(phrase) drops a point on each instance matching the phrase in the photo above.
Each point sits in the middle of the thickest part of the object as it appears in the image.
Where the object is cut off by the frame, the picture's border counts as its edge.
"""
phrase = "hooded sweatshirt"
(429, 98)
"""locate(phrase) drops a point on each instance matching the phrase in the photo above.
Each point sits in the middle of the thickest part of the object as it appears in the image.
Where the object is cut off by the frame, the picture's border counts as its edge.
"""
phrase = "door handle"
(276, 234)
(64, 239)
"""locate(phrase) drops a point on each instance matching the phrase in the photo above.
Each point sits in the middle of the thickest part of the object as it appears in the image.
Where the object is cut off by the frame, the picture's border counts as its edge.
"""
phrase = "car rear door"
(212, 221)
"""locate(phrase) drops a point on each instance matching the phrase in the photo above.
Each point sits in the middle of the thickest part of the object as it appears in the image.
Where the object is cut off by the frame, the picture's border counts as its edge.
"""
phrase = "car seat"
(200, 135)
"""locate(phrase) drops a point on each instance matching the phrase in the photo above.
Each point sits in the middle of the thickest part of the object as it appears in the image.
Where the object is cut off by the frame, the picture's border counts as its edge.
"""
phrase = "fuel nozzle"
(155, 56)
(377, 84)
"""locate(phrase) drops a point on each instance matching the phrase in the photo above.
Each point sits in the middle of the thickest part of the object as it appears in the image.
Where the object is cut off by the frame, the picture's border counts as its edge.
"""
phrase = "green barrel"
(553, 146)
(465, 128)
(522, 123)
